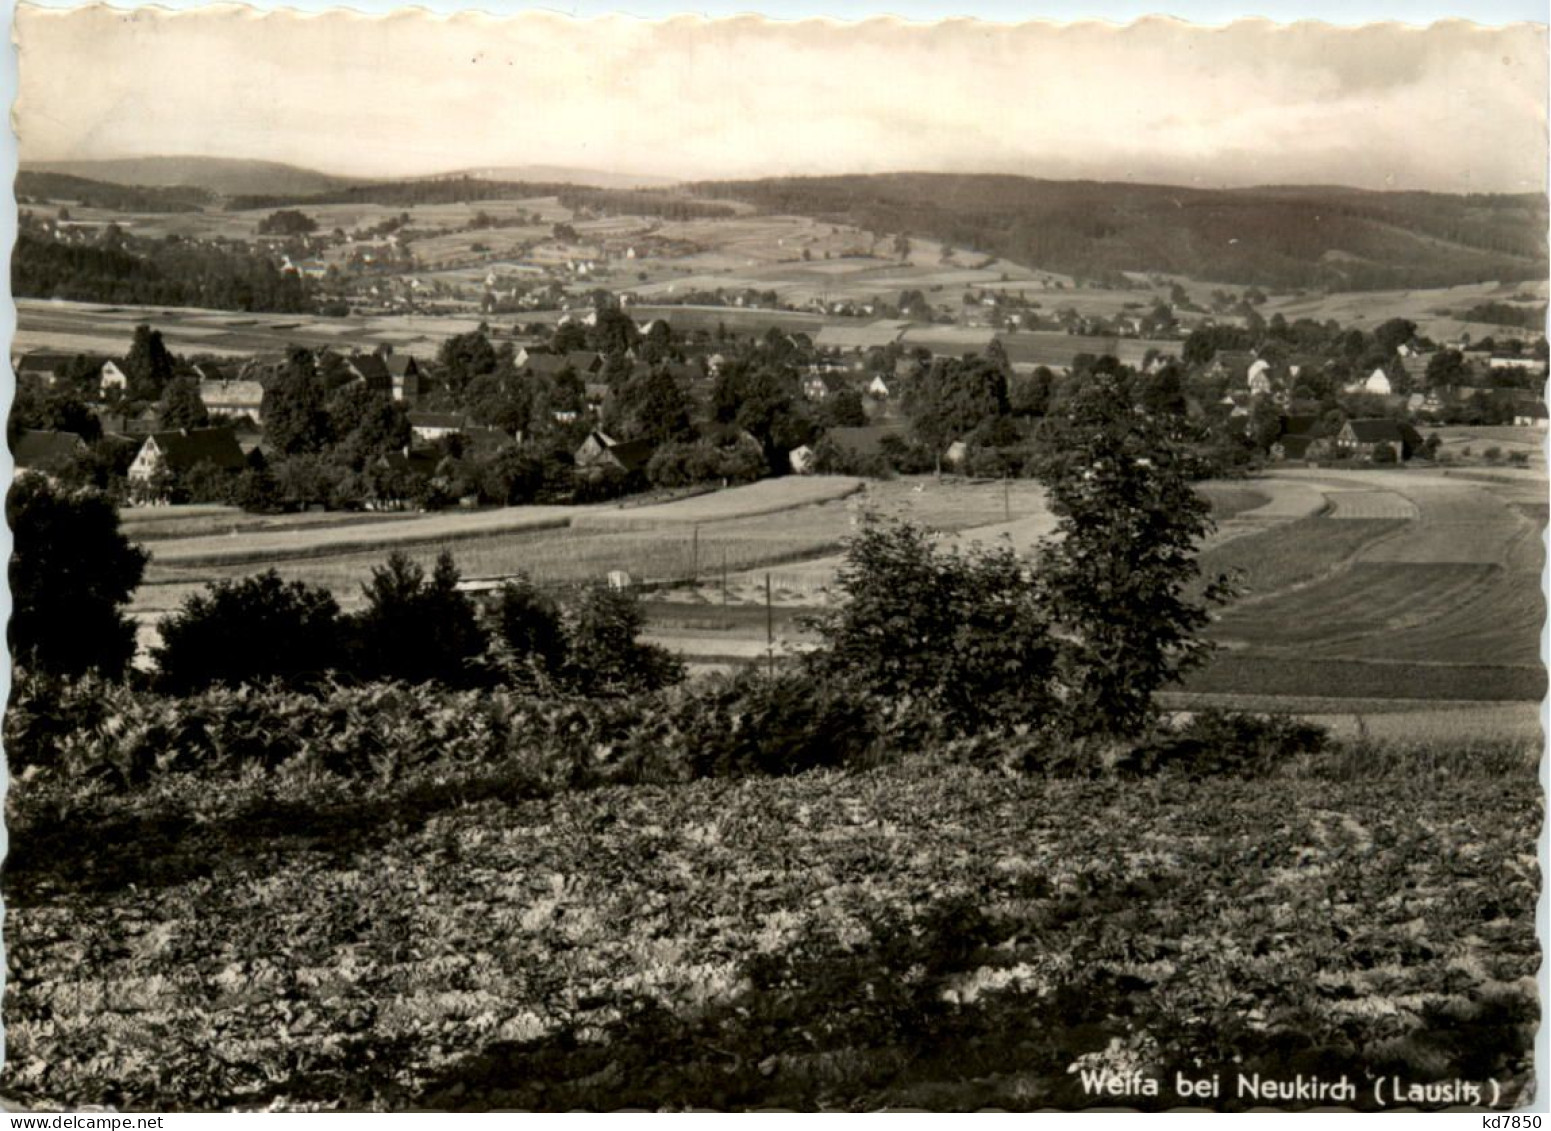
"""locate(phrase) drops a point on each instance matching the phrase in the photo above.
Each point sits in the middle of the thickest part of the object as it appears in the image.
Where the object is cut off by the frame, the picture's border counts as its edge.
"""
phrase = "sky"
(1452, 107)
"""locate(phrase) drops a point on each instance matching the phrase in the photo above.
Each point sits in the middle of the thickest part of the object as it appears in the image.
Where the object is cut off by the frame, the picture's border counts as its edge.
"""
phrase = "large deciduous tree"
(295, 418)
(1120, 577)
(72, 572)
(954, 397)
(148, 366)
(181, 406)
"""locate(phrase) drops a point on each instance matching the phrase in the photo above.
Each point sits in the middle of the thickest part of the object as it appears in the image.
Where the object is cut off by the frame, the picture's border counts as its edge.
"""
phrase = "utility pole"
(724, 577)
(1006, 497)
(694, 553)
(769, 627)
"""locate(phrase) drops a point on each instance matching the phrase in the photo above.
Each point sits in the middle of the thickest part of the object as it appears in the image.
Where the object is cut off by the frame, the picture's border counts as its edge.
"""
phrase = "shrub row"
(93, 731)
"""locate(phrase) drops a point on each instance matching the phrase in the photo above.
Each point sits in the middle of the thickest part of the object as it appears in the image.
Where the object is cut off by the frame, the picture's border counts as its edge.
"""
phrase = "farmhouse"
(1376, 382)
(1531, 415)
(800, 460)
(815, 388)
(1259, 378)
(878, 388)
(39, 365)
(404, 372)
(600, 452)
(1299, 438)
(181, 450)
(1364, 438)
(45, 452)
(110, 376)
(585, 362)
(429, 427)
(223, 397)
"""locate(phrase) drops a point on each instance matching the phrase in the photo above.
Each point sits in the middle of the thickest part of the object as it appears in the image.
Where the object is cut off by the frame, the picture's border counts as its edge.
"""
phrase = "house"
(1258, 377)
(407, 380)
(600, 452)
(585, 363)
(815, 388)
(39, 365)
(45, 452)
(1299, 438)
(428, 427)
(372, 369)
(110, 376)
(955, 454)
(224, 397)
(1363, 438)
(208, 371)
(1376, 382)
(878, 388)
(1531, 415)
(178, 451)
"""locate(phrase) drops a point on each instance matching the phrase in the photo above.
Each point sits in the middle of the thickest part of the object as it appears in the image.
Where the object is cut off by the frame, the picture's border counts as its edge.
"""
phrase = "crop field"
(247, 547)
(913, 937)
(156, 524)
(1433, 310)
(768, 496)
(1357, 585)
(107, 330)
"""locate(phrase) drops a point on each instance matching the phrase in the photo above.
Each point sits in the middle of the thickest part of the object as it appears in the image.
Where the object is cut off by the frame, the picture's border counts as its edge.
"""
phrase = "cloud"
(1449, 107)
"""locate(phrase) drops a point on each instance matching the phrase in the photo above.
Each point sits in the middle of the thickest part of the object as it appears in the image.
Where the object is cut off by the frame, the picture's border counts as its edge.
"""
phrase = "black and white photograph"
(731, 564)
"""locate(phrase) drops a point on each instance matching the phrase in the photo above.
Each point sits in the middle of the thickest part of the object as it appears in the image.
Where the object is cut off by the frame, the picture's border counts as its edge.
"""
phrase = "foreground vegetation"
(928, 934)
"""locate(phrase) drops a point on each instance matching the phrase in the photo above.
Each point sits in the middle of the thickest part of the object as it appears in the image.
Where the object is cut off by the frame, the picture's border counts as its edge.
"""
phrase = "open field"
(1406, 585)
(96, 328)
(1377, 585)
(915, 937)
(1433, 310)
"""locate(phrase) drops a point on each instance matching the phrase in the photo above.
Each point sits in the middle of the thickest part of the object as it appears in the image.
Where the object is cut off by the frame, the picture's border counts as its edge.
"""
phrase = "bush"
(1224, 743)
(605, 656)
(529, 633)
(1494, 454)
(784, 723)
(248, 631)
(416, 628)
(957, 639)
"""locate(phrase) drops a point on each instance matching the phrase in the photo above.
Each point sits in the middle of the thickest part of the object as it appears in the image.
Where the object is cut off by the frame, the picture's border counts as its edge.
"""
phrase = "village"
(614, 401)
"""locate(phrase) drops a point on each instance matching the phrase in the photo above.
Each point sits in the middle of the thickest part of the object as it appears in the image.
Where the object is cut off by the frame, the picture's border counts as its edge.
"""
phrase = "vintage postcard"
(722, 563)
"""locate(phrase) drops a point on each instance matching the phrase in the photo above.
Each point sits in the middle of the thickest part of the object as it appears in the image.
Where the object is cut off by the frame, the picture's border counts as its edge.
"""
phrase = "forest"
(124, 269)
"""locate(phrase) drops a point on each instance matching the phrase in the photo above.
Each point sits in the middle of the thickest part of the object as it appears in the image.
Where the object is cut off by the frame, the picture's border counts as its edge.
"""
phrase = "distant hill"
(562, 174)
(1282, 237)
(223, 175)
